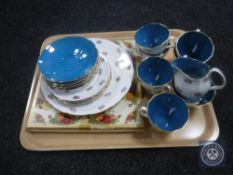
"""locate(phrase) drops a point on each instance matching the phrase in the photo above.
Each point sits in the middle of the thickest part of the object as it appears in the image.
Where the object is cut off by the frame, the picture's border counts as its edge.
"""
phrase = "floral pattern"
(63, 119)
(76, 97)
(104, 53)
(105, 118)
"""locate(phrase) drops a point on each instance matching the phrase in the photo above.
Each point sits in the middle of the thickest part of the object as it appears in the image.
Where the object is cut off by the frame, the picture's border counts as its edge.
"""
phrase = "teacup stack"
(186, 81)
(68, 66)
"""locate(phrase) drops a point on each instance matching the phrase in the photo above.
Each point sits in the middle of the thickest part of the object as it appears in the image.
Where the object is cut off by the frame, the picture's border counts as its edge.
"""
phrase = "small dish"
(68, 59)
(76, 84)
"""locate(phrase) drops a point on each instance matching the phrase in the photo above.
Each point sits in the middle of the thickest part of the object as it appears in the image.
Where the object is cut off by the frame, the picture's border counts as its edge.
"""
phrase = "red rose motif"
(107, 119)
(130, 117)
(66, 120)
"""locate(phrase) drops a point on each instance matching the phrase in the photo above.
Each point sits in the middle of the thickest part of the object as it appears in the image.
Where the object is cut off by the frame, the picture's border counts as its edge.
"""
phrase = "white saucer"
(122, 76)
(91, 89)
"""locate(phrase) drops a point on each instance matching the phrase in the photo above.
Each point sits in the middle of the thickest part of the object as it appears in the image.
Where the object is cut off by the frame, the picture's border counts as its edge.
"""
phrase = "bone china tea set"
(80, 78)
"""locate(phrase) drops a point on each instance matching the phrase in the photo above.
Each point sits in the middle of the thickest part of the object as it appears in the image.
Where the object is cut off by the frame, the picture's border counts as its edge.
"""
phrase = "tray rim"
(117, 35)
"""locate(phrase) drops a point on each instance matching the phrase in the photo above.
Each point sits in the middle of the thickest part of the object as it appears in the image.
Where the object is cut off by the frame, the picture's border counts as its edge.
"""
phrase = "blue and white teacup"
(166, 112)
(153, 39)
(196, 45)
(193, 79)
(155, 74)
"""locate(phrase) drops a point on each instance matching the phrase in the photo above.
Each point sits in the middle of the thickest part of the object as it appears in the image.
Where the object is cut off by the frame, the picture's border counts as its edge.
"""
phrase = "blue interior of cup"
(191, 67)
(195, 45)
(151, 35)
(67, 59)
(155, 71)
(168, 112)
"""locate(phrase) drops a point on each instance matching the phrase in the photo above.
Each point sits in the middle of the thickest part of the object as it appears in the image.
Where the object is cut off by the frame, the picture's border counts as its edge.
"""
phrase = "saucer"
(91, 89)
(207, 98)
(73, 85)
(122, 76)
(145, 55)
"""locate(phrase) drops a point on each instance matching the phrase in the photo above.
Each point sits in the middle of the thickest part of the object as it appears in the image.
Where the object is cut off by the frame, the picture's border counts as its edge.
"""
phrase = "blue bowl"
(152, 35)
(68, 59)
(167, 112)
(155, 71)
(196, 45)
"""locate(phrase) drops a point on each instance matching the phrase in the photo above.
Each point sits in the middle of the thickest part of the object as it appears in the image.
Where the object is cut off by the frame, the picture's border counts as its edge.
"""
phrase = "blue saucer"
(68, 59)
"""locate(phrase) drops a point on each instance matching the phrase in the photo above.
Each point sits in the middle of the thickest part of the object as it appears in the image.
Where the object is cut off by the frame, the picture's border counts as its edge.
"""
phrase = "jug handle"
(219, 72)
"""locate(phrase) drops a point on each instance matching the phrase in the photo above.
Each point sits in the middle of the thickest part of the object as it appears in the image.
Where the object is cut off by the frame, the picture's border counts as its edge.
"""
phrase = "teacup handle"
(143, 112)
(169, 88)
(171, 42)
(219, 72)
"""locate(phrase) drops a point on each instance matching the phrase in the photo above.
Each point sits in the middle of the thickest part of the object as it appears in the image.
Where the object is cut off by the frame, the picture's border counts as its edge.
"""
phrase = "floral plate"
(122, 76)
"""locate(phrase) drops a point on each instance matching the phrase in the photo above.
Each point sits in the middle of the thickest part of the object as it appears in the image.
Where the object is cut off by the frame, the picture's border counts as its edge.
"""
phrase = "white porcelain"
(122, 76)
(193, 79)
(91, 89)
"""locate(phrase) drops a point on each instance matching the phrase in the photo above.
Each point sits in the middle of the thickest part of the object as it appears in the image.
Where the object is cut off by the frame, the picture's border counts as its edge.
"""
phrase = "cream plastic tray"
(201, 126)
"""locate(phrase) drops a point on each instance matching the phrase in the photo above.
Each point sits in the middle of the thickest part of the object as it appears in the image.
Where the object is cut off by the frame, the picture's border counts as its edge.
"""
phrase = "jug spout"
(178, 65)
(191, 68)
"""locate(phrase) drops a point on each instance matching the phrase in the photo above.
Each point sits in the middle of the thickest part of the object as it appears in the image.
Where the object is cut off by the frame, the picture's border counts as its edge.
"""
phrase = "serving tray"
(201, 126)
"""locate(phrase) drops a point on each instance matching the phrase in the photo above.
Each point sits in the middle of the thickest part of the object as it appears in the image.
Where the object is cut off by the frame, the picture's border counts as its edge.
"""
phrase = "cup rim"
(155, 86)
(155, 124)
(153, 23)
(196, 31)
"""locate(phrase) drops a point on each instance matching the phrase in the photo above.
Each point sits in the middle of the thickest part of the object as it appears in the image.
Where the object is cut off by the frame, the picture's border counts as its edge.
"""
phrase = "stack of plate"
(84, 76)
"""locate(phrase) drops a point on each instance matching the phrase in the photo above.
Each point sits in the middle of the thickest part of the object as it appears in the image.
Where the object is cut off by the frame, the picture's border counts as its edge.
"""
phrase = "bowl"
(68, 60)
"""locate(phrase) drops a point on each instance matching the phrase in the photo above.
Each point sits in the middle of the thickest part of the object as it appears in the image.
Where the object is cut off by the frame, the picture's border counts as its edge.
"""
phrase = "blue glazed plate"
(68, 59)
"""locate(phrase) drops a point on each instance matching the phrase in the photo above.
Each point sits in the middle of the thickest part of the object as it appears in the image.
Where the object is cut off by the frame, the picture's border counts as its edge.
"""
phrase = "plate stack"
(80, 78)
